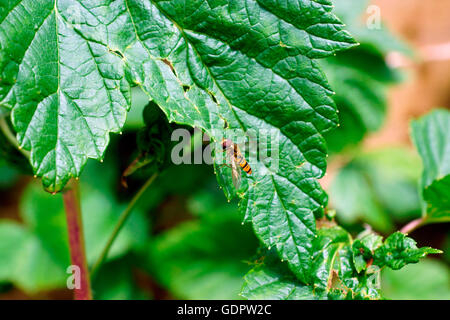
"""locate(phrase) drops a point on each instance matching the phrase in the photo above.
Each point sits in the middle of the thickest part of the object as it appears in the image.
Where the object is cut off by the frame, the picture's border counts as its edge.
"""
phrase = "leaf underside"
(66, 74)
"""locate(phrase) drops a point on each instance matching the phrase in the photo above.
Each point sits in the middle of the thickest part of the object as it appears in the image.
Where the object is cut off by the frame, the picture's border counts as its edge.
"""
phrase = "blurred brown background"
(425, 26)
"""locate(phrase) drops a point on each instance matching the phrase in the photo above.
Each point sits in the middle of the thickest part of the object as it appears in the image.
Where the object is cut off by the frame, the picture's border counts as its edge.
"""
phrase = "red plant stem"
(76, 240)
(413, 225)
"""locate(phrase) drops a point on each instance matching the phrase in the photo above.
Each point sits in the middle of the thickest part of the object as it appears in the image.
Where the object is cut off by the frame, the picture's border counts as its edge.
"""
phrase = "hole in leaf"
(167, 62)
(213, 97)
(117, 53)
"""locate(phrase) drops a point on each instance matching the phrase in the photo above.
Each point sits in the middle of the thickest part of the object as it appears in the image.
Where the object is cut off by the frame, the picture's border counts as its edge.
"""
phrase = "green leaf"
(44, 216)
(394, 174)
(395, 252)
(399, 250)
(360, 77)
(333, 273)
(332, 257)
(135, 118)
(8, 175)
(427, 280)
(431, 137)
(35, 254)
(27, 261)
(275, 56)
(65, 102)
(100, 215)
(272, 280)
(378, 187)
(12, 238)
(195, 261)
(104, 212)
(154, 143)
(115, 282)
(353, 198)
(247, 62)
(360, 95)
(341, 268)
(363, 249)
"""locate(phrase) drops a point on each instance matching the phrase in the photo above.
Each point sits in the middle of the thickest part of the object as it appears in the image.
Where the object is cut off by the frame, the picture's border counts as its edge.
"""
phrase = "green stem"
(123, 218)
(4, 127)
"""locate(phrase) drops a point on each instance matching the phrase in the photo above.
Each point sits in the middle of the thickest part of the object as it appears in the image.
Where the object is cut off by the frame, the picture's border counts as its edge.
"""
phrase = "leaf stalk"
(4, 127)
(120, 223)
(413, 225)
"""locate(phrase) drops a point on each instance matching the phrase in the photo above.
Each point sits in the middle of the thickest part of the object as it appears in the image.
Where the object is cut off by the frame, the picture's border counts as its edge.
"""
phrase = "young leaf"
(248, 64)
(395, 252)
(431, 136)
(399, 250)
(333, 274)
(332, 257)
(363, 249)
(341, 268)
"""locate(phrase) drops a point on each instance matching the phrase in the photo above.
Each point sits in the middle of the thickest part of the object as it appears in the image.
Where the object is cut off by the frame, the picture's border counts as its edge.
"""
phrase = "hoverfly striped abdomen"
(243, 163)
(233, 150)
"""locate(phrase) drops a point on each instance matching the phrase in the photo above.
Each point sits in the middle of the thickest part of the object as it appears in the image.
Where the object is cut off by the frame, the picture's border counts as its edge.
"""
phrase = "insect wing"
(235, 173)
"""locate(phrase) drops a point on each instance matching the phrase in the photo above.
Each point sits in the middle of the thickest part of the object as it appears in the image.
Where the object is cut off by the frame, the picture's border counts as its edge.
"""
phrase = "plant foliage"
(190, 58)
(431, 136)
(343, 268)
(230, 69)
(378, 187)
(360, 76)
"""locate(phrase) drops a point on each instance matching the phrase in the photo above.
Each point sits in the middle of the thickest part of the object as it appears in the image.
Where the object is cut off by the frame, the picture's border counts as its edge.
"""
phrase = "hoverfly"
(236, 159)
